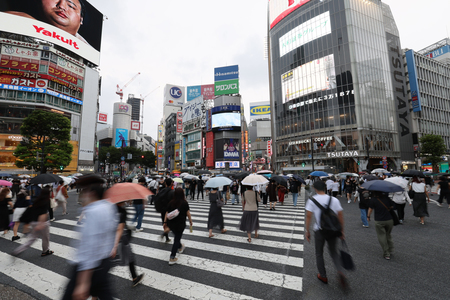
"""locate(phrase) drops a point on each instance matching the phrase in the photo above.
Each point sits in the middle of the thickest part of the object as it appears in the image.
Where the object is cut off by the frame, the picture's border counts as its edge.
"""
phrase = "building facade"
(135, 107)
(336, 87)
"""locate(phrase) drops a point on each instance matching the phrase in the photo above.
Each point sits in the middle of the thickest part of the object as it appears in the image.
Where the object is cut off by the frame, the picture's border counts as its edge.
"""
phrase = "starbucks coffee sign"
(343, 154)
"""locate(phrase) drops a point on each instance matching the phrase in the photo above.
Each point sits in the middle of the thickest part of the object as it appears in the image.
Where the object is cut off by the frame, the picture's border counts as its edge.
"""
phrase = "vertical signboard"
(269, 148)
(179, 122)
(413, 83)
(210, 149)
(209, 120)
(184, 154)
(160, 133)
(208, 91)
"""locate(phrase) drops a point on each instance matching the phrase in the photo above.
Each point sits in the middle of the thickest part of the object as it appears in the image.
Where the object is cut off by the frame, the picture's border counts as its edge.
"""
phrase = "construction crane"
(120, 90)
(142, 111)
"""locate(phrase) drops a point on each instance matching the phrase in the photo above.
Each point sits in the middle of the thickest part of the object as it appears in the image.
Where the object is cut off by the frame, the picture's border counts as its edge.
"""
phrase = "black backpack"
(162, 199)
(330, 227)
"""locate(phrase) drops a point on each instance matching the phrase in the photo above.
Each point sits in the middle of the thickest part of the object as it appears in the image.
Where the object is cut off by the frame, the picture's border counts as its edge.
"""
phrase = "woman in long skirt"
(271, 190)
(215, 215)
(420, 199)
(250, 218)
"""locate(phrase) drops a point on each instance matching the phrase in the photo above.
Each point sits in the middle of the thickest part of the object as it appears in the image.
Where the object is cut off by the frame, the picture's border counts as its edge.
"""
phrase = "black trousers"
(401, 210)
(446, 195)
(100, 282)
(198, 193)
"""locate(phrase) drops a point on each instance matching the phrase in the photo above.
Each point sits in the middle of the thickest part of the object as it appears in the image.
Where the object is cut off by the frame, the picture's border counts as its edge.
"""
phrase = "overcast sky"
(181, 42)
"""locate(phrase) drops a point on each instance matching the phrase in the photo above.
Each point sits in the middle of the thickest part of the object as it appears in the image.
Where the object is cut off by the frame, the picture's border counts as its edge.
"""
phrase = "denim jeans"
(364, 216)
(235, 197)
(176, 243)
(139, 215)
(294, 198)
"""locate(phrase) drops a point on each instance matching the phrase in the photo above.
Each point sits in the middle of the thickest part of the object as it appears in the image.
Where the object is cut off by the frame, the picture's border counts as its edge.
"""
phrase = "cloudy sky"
(181, 42)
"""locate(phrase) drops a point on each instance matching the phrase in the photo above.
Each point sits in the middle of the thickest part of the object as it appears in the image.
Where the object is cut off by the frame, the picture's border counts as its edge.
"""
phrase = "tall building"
(135, 107)
(337, 87)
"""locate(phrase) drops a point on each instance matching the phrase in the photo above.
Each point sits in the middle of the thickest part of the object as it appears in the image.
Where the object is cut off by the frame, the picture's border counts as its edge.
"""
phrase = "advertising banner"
(7, 62)
(260, 110)
(71, 67)
(135, 125)
(226, 87)
(316, 75)
(74, 27)
(269, 147)
(208, 91)
(21, 52)
(193, 92)
(233, 164)
(160, 133)
(209, 151)
(102, 118)
(226, 120)
(304, 33)
(37, 83)
(174, 95)
(61, 74)
(280, 9)
(184, 154)
(121, 137)
(179, 122)
(231, 148)
(413, 83)
(226, 73)
(439, 52)
(192, 109)
(208, 120)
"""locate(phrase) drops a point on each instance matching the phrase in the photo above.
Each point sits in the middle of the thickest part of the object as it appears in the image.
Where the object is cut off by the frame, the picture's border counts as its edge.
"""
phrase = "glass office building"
(337, 86)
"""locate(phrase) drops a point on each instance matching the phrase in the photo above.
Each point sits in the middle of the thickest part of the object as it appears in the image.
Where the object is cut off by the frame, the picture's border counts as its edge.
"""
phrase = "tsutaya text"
(320, 99)
(343, 154)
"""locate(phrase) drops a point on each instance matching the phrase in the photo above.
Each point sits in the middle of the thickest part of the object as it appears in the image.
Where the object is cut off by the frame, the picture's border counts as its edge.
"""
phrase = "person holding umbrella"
(420, 199)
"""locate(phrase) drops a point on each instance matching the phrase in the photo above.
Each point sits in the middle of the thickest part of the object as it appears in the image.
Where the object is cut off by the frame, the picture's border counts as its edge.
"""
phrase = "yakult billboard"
(174, 95)
(75, 25)
(279, 9)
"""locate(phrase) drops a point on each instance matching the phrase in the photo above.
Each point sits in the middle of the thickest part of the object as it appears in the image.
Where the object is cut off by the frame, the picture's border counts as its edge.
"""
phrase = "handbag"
(173, 214)
(27, 216)
(53, 203)
(346, 258)
(393, 214)
(60, 196)
(411, 194)
(219, 200)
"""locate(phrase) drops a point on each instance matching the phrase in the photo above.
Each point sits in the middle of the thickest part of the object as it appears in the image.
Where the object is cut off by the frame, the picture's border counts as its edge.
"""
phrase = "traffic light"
(61, 168)
(359, 163)
(142, 156)
(303, 164)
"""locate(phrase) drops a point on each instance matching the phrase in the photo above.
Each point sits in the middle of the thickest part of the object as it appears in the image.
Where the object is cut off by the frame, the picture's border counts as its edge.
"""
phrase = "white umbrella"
(190, 177)
(66, 180)
(398, 181)
(379, 170)
(24, 176)
(217, 182)
(77, 175)
(184, 174)
(264, 172)
(254, 179)
(179, 180)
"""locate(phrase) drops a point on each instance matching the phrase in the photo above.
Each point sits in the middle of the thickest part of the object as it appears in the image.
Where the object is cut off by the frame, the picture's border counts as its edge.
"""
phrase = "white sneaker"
(349, 201)
(438, 204)
(140, 229)
(181, 250)
(172, 261)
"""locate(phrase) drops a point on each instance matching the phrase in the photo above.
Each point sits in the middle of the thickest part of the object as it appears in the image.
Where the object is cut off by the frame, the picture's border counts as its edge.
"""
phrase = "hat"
(87, 180)
(320, 185)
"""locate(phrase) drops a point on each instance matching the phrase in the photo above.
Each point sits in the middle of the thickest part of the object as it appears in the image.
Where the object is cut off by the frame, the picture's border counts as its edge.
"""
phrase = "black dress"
(215, 216)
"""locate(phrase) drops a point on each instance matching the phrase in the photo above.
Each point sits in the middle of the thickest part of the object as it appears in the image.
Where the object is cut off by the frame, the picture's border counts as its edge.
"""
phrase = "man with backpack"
(294, 188)
(162, 199)
(234, 192)
(329, 227)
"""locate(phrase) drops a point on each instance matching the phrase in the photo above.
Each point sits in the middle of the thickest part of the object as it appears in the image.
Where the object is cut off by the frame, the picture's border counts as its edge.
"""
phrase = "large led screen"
(306, 32)
(316, 75)
(226, 120)
(75, 25)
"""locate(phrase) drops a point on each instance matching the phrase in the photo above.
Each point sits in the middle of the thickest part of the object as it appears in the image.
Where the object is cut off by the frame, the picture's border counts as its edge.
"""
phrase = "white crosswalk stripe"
(221, 267)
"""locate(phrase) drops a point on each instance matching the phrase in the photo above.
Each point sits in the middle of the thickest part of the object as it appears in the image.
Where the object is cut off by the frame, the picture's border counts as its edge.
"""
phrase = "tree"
(148, 159)
(46, 142)
(432, 148)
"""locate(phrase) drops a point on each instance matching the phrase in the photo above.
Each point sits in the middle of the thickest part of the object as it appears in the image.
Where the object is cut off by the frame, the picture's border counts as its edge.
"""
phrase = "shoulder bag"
(219, 200)
(392, 212)
(346, 258)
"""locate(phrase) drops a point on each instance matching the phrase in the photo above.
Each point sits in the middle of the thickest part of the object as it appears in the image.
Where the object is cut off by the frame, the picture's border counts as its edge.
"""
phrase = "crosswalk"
(226, 266)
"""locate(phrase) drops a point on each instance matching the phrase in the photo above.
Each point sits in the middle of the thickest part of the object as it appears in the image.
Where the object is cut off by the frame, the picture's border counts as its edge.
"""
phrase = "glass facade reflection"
(332, 91)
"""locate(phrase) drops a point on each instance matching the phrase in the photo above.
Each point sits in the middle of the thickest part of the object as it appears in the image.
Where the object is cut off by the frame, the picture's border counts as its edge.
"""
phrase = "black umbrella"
(240, 175)
(5, 175)
(370, 177)
(201, 172)
(279, 179)
(411, 173)
(442, 174)
(45, 178)
(298, 178)
(382, 186)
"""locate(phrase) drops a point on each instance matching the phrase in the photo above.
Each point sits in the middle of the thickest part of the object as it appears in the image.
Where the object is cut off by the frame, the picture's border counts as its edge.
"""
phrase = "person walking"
(312, 209)
(335, 188)
(90, 274)
(420, 199)
(139, 206)
(295, 188)
(61, 197)
(281, 192)
(164, 196)
(123, 235)
(40, 224)
(200, 185)
(250, 217)
(308, 188)
(381, 204)
(348, 188)
(153, 187)
(400, 199)
(20, 206)
(192, 188)
(363, 197)
(444, 191)
(215, 215)
(272, 192)
(234, 192)
(264, 194)
(175, 220)
(5, 201)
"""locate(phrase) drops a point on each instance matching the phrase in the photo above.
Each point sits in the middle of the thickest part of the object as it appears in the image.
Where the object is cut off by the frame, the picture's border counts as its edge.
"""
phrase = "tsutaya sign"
(343, 154)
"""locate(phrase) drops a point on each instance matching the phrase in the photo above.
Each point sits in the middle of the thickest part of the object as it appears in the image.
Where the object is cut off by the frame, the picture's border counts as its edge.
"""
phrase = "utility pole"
(43, 169)
(312, 154)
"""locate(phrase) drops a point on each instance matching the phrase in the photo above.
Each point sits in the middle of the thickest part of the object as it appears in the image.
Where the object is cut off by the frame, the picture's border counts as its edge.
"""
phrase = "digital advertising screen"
(121, 137)
(226, 120)
(75, 25)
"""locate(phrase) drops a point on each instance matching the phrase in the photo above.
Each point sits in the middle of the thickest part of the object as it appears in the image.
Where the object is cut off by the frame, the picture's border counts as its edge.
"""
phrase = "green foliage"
(149, 159)
(47, 133)
(432, 148)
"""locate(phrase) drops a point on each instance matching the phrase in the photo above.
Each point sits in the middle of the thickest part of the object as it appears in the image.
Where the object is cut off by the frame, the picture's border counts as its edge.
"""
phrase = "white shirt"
(335, 187)
(418, 187)
(335, 205)
(329, 183)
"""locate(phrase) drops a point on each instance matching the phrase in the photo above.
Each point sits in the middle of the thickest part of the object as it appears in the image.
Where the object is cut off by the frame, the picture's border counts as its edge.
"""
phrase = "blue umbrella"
(318, 173)
(382, 186)
(298, 178)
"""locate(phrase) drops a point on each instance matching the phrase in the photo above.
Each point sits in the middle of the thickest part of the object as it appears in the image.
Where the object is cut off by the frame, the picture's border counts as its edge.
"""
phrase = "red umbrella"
(127, 191)
(5, 183)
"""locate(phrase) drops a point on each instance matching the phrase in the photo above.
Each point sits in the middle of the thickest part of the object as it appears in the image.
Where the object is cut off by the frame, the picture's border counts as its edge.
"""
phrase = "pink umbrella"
(5, 183)
(126, 191)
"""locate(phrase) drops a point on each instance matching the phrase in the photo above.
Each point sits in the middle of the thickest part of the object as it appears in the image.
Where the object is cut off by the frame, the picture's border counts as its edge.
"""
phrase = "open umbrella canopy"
(45, 178)
(318, 173)
(264, 172)
(184, 174)
(370, 177)
(279, 179)
(179, 180)
(298, 178)
(24, 176)
(5, 175)
(442, 174)
(398, 181)
(5, 183)
(255, 179)
(66, 180)
(345, 174)
(217, 182)
(126, 191)
(77, 174)
(190, 177)
(241, 175)
(201, 172)
(382, 186)
(379, 170)
(411, 173)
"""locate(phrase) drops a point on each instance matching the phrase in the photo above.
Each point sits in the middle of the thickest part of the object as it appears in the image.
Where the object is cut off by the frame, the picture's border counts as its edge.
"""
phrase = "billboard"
(306, 32)
(280, 9)
(193, 109)
(121, 137)
(260, 110)
(226, 73)
(209, 151)
(208, 91)
(438, 52)
(226, 120)
(179, 122)
(14, 80)
(226, 87)
(160, 133)
(193, 92)
(233, 164)
(413, 83)
(75, 25)
(102, 118)
(135, 125)
(174, 95)
(231, 148)
(316, 75)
